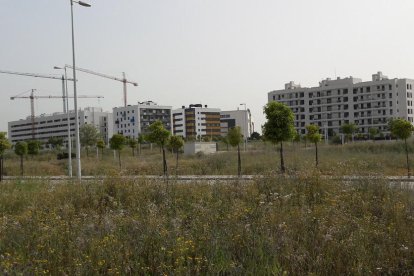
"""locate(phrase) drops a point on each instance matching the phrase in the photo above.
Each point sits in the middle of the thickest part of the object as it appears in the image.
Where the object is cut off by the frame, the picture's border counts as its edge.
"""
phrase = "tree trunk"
(408, 164)
(139, 149)
(164, 161)
(238, 161)
(21, 165)
(1, 168)
(176, 163)
(282, 161)
(316, 153)
(87, 151)
(133, 152)
(119, 159)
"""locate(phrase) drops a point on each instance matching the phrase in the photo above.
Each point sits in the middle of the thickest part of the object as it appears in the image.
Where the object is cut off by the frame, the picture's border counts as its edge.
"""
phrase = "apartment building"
(232, 118)
(133, 120)
(197, 121)
(56, 125)
(369, 104)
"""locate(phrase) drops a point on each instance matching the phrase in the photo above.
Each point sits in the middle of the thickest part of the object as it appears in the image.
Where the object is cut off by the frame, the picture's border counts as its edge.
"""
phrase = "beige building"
(196, 121)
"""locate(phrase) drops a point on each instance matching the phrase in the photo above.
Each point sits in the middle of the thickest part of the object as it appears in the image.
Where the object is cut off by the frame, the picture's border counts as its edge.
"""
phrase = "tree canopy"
(400, 128)
(4, 143)
(33, 147)
(88, 135)
(279, 126)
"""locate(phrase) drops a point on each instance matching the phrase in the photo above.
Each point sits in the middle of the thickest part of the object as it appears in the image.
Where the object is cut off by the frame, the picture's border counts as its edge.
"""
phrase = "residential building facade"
(333, 103)
(241, 118)
(197, 121)
(133, 120)
(56, 125)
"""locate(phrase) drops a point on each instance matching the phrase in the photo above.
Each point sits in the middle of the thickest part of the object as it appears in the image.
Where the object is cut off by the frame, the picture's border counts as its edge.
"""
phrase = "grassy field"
(272, 226)
(359, 158)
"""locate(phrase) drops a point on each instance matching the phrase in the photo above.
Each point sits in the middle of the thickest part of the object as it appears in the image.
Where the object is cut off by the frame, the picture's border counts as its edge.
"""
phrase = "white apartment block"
(233, 118)
(333, 103)
(133, 120)
(56, 125)
(197, 121)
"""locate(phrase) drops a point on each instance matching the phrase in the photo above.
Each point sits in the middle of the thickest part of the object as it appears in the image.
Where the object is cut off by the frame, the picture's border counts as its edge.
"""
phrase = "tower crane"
(123, 79)
(35, 75)
(32, 97)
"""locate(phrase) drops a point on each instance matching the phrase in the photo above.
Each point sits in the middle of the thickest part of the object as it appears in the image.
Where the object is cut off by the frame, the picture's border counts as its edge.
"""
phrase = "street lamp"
(75, 95)
(245, 131)
(66, 95)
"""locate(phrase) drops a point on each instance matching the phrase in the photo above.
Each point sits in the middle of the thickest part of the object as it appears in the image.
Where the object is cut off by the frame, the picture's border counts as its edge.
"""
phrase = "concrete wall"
(191, 148)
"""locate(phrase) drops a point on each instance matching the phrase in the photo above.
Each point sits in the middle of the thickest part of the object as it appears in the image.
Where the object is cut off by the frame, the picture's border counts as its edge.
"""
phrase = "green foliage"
(55, 142)
(313, 134)
(20, 148)
(117, 142)
(141, 139)
(33, 147)
(235, 136)
(348, 129)
(296, 137)
(100, 144)
(176, 142)
(401, 128)
(373, 131)
(4, 143)
(88, 135)
(255, 136)
(279, 126)
(158, 134)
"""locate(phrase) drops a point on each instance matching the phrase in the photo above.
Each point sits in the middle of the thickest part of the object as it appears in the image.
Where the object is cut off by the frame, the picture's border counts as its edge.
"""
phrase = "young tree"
(315, 137)
(176, 143)
(33, 147)
(88, 135)
(117, 142)
(4, 145)
(235, 138)
(279, 126)
(133, 144)
(373, 131)
(158, 134)
(55, 142)
(225, 140)
(349, 130)
(21, 150)
(402, 129)
(100, 144)
(141, 140)
(296, 137)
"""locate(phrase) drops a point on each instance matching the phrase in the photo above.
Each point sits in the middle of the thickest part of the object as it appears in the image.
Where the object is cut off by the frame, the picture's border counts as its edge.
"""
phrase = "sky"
(219, 53)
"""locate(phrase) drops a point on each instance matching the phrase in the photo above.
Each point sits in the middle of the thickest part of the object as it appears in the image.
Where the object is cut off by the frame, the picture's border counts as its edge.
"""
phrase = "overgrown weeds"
(272, 225)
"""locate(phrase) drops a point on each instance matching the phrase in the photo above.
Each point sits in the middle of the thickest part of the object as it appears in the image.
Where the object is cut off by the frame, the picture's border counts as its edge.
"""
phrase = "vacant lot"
(268, 226)
(359, 158)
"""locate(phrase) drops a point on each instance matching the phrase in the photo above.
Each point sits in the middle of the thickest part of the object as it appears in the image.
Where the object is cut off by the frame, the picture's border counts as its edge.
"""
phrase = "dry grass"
(360, 158)
(270, 226)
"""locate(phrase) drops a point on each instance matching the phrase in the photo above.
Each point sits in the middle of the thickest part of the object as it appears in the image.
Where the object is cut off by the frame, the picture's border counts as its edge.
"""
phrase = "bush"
(65, 155)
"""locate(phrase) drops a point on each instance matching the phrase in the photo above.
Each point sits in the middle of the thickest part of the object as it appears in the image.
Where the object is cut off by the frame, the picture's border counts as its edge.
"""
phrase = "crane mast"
(42, 76)
(123, 79)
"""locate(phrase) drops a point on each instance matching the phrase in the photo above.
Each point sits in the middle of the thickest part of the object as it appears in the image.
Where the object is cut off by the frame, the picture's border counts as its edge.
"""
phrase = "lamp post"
(75, 95)
(66, 95)
(245, 123)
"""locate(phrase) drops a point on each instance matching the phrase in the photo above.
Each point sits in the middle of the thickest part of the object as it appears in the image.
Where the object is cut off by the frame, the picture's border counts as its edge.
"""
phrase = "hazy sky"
(215, 52)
